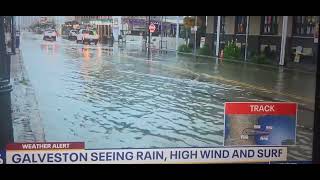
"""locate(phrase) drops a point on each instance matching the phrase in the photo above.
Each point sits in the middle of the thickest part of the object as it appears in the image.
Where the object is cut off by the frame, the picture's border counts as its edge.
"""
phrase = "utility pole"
(177, 33)
(218, 35)
(247, 34)
(13, 35)
(6, 127)
(149, 40)
(195, 36)
(161, 32)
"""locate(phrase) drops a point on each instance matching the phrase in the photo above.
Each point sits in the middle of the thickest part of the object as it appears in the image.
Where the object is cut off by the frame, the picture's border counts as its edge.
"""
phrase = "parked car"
(73, 34)
(87, 36)
(50, 34)
(38, 30)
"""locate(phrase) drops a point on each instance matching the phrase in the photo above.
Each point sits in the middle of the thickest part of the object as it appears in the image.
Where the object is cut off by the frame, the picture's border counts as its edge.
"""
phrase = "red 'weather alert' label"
(46, 146)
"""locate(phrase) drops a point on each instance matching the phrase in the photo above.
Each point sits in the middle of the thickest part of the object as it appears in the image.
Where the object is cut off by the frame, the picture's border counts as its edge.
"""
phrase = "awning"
(102, 22)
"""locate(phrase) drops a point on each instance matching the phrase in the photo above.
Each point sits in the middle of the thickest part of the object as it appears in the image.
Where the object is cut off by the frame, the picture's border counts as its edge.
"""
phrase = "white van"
(87, 36)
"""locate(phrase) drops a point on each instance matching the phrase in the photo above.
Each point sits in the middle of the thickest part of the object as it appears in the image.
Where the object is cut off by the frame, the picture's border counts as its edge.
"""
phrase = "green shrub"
(231, 51)
(260, 59)
(184, 48)
(204, 50)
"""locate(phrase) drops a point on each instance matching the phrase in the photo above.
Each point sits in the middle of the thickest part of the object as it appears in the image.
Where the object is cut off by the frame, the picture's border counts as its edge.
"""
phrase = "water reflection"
(279, 86)
(99, 52)
(86, 52)
(50, 48)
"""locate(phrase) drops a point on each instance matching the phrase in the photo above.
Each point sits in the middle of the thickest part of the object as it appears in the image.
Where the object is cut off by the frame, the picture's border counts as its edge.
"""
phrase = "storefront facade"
(137, 25)
(266, 31)
(103, 25)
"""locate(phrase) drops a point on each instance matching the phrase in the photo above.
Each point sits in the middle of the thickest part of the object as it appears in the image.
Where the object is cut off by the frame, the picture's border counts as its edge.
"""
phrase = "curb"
(250, 63)
(33, 126)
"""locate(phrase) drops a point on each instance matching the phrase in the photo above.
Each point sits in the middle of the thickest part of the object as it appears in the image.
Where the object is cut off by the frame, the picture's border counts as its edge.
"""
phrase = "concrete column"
(195, 36)
(206, 21)
(247, 33)
(283, 39)
(177, 33)
(218, 36)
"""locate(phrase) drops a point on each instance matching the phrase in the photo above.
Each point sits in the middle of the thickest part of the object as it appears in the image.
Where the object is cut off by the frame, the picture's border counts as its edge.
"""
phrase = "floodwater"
(109, 97)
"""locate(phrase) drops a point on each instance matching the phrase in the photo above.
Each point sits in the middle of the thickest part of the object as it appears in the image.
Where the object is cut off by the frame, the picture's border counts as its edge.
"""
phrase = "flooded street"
(111, 97)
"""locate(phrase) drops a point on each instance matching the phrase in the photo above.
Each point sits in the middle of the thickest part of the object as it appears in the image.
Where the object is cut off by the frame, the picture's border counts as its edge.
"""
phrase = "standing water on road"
(99, 95)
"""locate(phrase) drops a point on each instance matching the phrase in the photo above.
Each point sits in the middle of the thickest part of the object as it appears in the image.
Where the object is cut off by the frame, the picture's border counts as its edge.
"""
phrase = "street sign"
(202, 41)
(260, 123)
(152, 28)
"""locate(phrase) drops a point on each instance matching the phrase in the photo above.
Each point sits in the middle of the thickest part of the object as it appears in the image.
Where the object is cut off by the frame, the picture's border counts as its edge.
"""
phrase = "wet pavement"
(26, 119)
(117, 97)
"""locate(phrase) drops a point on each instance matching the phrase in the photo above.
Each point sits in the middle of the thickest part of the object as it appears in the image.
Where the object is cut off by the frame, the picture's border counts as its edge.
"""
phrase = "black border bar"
(316, 126)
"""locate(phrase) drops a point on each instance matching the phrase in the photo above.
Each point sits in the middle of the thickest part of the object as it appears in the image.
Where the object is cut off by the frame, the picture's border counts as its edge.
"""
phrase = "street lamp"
(149, 34)
(195, 36)
(6, 127)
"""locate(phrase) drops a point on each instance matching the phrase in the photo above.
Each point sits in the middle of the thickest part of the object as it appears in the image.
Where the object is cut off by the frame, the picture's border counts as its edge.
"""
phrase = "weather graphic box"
(260, 123)
(2, 156)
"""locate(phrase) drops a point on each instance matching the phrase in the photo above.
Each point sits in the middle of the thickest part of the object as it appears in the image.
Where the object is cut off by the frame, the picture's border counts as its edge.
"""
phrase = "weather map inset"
(255, 123)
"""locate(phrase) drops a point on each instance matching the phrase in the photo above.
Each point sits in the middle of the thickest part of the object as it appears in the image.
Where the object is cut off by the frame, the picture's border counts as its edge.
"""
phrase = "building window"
(241, 24)
(304, 25)
(269, 25)
(222, 24)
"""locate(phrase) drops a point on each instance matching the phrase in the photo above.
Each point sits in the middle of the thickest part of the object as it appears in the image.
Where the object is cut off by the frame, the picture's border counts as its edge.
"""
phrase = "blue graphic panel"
(2, 157)
(282, 133)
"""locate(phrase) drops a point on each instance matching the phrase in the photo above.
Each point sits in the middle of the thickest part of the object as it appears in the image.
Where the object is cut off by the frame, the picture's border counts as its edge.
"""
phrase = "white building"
(25, 21)
(116, 26)
(69, 18)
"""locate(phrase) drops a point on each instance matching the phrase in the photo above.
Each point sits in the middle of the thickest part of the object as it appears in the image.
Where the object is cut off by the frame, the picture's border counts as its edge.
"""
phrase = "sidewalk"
(27, 123)
(290, 66)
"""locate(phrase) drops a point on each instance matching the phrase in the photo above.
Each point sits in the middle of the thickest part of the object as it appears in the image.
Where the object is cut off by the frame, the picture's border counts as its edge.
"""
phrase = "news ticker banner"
(260, 123)
(254, 132)
(75, 153)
